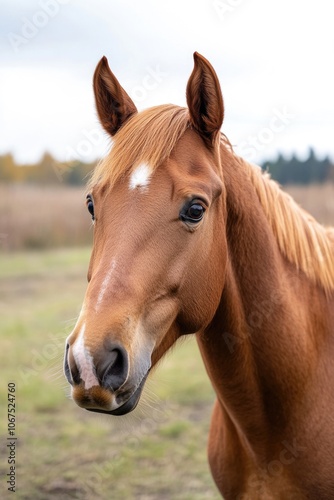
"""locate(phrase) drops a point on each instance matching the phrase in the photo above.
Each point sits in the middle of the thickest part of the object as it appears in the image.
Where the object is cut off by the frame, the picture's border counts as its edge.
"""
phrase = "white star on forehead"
(140, 177)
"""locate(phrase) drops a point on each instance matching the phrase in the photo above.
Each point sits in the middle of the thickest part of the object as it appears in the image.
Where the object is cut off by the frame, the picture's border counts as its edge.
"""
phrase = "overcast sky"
(274, 61)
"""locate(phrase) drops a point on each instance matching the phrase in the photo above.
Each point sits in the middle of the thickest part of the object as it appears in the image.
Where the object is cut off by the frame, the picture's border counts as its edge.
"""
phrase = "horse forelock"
(146, 138)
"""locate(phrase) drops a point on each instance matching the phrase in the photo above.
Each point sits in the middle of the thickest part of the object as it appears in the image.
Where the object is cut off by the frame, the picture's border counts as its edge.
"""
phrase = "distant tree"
(8, 170)
(295, 171)
(46, 171)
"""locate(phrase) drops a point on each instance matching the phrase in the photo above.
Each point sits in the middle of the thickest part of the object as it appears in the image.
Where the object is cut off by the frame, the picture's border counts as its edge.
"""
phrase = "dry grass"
(46, 217)
(36, 217)
(318, 199)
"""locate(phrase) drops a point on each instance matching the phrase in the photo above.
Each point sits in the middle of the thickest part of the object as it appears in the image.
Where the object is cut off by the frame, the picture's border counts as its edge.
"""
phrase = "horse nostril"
(111, 366)
(70, 368)
(66, 366)
(113, 371)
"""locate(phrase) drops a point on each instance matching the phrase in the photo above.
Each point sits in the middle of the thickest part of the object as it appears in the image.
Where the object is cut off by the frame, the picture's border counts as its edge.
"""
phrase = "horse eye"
(90, 206)
(195, 212)
(192, 213)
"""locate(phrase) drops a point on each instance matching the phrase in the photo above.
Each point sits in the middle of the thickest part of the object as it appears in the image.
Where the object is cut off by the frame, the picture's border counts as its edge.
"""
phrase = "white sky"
(272, 58)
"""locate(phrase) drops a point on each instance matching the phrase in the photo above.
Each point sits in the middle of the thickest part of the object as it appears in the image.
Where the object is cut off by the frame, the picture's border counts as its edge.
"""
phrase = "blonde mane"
(150, 137)
(303, 241)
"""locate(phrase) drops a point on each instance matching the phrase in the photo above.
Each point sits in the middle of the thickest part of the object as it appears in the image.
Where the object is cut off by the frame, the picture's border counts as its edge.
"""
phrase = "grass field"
(37, 217)
(317, 199)
(63, 452)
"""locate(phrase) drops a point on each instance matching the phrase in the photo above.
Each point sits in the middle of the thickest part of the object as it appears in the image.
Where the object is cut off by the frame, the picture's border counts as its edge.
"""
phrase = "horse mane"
(151, 135)
(301, 239)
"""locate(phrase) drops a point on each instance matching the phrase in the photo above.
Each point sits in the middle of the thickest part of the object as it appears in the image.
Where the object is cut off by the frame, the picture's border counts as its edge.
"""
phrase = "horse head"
(157, 266)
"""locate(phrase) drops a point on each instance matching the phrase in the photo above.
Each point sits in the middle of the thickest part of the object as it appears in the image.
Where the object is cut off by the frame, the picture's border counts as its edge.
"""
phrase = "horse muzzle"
(104, 383)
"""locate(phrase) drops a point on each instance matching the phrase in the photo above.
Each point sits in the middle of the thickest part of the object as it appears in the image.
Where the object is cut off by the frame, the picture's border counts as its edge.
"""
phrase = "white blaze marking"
(140, 177)
(84, 361)
(105, 284)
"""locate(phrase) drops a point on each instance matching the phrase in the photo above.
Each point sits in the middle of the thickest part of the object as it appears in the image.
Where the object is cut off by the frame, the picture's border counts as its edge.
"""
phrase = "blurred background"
(275, 65)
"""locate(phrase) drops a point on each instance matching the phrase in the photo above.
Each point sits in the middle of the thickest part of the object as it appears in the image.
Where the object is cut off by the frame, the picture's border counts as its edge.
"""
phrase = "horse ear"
(114, 106)
(205, 100)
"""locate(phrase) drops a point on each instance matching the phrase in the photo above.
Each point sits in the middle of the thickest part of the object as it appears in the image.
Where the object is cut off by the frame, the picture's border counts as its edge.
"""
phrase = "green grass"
(64, 452)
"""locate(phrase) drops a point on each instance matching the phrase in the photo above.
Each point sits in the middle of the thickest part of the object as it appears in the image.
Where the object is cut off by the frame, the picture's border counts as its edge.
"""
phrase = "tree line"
(49, 171)
(295, 171)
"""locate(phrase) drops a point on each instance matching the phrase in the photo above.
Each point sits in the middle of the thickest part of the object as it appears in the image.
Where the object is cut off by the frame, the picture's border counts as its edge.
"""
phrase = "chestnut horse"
(189, 238)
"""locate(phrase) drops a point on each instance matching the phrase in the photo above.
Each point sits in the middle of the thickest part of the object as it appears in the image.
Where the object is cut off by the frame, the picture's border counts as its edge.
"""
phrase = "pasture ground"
(64, 452)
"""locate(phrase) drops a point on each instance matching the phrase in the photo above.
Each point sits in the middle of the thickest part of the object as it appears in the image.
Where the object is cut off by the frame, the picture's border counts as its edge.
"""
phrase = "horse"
(189, 238)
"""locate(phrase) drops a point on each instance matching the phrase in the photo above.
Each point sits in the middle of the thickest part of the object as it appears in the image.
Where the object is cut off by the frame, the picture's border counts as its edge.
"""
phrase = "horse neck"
(259, 343)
